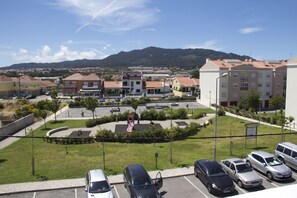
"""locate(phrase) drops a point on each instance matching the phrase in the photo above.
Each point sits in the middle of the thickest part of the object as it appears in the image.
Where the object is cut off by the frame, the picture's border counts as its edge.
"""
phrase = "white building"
(291, 96)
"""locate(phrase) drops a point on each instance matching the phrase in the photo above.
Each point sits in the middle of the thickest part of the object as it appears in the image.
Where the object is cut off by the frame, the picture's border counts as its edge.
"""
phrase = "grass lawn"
(52, 162)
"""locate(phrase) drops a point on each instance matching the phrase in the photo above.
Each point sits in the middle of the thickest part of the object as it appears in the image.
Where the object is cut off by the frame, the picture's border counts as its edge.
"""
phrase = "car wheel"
(209, 188)
(270, 176)
(239, 182)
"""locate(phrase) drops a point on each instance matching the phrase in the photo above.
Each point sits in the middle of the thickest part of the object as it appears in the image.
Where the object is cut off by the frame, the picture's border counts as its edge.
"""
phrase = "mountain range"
(150, 56)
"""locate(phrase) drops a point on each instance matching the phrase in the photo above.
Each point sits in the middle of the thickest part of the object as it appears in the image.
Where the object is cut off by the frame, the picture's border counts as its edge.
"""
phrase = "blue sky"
(59, 30)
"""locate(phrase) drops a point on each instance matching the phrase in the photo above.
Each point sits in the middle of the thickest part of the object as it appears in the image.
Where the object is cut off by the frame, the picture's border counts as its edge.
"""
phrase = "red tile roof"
(92, 76)
(187, 82)
(153, 84)
(76, 76)
(112, 84)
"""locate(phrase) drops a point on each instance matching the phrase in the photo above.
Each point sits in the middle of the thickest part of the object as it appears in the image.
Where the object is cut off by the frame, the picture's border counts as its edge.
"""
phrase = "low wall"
(16, 126)
(56, 130)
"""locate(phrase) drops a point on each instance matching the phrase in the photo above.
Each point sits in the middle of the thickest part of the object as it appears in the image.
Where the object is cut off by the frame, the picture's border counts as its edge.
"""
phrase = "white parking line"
(268, 181)
(196, 187)
(116, 191)
(34, 194)
(242, 190)
(75, 193)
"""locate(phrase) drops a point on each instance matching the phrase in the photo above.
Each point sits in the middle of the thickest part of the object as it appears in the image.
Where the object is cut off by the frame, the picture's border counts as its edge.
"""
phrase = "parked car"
(269, 165)
(286, 152)
(213, 176)
(30, 96)
(241, 173)
(97, 185)
(48, 93)
(139, 184)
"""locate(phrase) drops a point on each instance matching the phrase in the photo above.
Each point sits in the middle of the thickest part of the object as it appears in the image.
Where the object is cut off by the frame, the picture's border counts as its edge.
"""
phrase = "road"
(177, 187)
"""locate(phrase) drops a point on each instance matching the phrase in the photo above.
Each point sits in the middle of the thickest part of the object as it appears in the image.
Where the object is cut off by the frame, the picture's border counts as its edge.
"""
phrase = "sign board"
(251, 132)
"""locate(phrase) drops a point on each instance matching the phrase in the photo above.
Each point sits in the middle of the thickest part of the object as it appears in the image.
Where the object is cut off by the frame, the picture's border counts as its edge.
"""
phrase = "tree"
(195, 73)
(277, 102)
(54, 93)
(134, 104)
(43, 107)
(1, 107)
(291, 119)
(251, 101)
(24, 111)
(54, 106)
(91, 104)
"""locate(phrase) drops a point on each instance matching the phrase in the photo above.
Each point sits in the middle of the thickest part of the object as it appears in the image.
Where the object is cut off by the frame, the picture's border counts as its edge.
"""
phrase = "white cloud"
(44, 55)
(111, 16)
(210, 44)
(250, 30)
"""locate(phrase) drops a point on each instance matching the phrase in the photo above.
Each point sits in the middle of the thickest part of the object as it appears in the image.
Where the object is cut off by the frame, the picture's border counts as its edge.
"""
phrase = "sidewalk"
(80, 182)
(8, 141)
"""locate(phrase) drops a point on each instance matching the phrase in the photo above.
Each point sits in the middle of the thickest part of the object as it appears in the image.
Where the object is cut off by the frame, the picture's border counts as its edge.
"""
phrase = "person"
(82, 114)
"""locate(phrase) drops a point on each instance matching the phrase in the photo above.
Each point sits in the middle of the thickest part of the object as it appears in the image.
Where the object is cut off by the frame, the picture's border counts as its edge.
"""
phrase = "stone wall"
(16, 126)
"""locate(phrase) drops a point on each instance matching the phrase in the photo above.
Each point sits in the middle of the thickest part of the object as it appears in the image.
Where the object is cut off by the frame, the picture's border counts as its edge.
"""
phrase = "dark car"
(213, 176)
(139, 184)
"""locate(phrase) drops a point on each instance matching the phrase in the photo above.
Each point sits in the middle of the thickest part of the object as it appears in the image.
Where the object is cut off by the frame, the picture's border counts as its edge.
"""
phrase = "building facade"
(233, 79)
(291, 96)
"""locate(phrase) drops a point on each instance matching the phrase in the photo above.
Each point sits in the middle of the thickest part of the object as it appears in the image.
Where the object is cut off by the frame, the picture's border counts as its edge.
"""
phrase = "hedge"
(153, 134)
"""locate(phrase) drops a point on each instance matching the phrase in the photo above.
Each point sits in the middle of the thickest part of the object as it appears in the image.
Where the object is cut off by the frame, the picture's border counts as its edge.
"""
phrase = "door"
(232, 172)
(159, 181)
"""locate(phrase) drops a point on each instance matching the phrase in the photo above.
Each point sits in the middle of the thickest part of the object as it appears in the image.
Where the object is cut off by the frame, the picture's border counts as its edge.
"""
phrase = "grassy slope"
(52, 162)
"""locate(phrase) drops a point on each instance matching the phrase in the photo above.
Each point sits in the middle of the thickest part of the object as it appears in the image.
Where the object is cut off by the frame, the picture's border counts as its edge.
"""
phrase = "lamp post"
(216, 119)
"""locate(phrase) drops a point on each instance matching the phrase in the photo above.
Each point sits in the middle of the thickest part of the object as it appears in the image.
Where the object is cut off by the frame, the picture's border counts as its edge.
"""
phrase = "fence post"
(171, 151)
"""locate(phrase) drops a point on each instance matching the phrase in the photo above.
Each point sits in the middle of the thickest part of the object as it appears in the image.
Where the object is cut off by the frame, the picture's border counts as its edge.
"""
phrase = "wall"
(16, 126)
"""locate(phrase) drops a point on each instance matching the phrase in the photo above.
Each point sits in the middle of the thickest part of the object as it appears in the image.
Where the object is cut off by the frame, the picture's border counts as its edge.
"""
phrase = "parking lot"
(177, 187)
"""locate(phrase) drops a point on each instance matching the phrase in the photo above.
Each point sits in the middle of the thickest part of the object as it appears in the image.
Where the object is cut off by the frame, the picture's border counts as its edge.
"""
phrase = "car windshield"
(215, 171)
(243, 168)
(272, 161)
(142, 181)
(99, 187)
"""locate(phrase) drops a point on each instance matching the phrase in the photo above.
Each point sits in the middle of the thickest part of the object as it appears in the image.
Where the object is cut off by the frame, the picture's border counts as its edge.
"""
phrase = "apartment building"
(78, 84)
(235, 78)
(132, 83)
(291, 96)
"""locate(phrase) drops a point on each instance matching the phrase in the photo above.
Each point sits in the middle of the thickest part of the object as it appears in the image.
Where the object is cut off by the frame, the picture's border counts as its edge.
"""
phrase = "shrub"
(181, 113)
(221, 112)
(198, 115)
(105, 134)
(74, 104)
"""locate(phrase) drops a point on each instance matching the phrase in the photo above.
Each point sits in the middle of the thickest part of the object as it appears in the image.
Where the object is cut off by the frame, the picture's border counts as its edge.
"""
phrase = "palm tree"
(291, 119)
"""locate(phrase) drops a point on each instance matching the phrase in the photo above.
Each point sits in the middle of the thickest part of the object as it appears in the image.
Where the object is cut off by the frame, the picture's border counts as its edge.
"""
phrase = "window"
(137, 90)
(224, 84)
(227, 163)
(267, 93)
(279, 75)
(268, 75)
(232, 167)
(259, 84)
(278, 84)
(235, 75)
(280, 148)
(137, 82)
(267, 84)
(235, 85)
(258, 158)
(287, 151)
(294, 154)
(224, 95)
(125, 83)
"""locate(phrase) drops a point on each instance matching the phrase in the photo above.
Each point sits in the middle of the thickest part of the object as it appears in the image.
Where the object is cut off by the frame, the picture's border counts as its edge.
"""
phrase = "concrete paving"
(80, 182)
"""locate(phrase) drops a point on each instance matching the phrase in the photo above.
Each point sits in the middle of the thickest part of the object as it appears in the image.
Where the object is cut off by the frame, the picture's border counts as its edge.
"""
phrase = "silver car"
(269, 165)
(241, 173)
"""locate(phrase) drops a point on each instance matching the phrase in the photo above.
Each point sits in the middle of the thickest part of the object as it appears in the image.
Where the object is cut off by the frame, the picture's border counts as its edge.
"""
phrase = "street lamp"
(216, 119)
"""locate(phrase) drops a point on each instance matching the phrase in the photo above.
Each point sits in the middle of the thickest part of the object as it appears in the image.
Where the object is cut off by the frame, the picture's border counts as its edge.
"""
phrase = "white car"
(97, 185)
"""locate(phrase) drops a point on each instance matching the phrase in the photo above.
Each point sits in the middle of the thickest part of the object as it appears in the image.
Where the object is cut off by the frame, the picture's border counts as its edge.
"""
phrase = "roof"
(137, 170)
(263, 154)
(234, 64)
(187, 81)
(92, 76)
(97, 175)
(289, 145)
(47, 83)
(112, 84)
(5, 78)
(236, 160)
(27, 78)
(293, 61)
(76, 76)
(153, 84)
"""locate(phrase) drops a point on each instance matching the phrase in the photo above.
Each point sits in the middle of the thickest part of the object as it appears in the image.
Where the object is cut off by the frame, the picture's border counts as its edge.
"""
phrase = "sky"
(45, 31)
